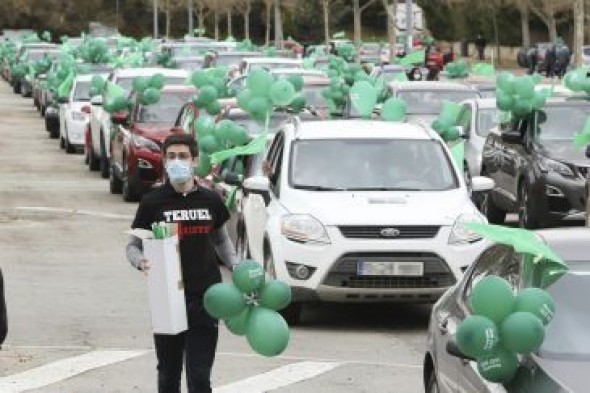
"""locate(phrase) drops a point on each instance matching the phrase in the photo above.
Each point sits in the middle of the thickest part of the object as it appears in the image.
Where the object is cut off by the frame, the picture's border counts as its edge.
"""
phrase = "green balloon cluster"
(249, 307)
(457, 69)
(578, 80)
(518, 96)
(446, 122)
(503, 325)
(394, 109)
(115, 98)
(94, 51)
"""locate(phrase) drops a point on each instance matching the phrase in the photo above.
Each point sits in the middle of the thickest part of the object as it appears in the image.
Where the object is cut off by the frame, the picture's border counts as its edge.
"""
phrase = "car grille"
(583, 170)
(375, 232)
(344, 272)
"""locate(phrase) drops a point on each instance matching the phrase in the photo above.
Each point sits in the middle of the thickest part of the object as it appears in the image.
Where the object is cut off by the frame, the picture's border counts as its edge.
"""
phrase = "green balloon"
(238, 324)
(208, 143)
(505, 82)
(214, 108)
(281, 92)
(267, 332)
(452, 134)
(537, 78)
(259, 82)
(477, 336)
(522, 332)
(492, 297)
(224, 129)
(141, 83)
(207, 95)
(298, 103)
(499, 367)
(151, 96)
(524, 86)
(223, 301)
(204, 125)
(504, 101)
(538, 302)
(275, 295)
(157, 81)
(200, 79)
(259, 108)
(538, 100)
(244, 99)
(248, 276)
(120, 103)
(238, 136)
(522, 107)
(364, 97)
(394, 109)
(296, 81)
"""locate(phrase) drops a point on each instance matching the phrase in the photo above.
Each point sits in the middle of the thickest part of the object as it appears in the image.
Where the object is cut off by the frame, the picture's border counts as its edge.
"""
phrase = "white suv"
(100, 120)
(360, 211)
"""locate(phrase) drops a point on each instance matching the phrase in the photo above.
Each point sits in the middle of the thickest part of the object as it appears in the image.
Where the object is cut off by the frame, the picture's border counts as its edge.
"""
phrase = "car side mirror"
(482, 184)
(96, 101)
(512, 137)
(233, 179)
(119, 118)
(453, 350)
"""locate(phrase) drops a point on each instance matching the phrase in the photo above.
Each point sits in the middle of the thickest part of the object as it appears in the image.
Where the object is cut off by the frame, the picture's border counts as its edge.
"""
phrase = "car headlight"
(78, 116)
(144, 143)
(460, 234)
(304, 228)
(549, 165)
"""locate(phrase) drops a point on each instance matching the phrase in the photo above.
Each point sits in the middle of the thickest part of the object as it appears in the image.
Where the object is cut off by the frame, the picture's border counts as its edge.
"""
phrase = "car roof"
(255, 60)
(133, 72)
(298, 71)
(363, 129)
(178, 88)
(571, 244)
(430, 85)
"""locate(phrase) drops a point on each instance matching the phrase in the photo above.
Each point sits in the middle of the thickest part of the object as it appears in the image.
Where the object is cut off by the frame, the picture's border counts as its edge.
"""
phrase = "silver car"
(563, 361)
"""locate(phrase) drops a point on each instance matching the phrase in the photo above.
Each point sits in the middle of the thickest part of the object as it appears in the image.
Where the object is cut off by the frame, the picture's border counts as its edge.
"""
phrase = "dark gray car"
(563, 361)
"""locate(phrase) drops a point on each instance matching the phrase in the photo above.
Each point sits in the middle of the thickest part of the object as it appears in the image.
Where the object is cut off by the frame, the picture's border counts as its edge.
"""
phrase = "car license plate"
(368, 268)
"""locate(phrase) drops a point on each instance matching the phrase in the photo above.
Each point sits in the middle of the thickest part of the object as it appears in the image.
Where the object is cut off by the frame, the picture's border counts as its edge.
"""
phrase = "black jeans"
(197, 345)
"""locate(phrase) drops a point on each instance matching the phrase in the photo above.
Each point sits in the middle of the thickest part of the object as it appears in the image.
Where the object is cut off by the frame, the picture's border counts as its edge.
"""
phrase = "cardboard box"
(165, 286)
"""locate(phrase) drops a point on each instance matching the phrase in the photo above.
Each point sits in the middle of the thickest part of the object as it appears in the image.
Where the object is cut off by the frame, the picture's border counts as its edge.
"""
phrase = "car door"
(255, 206)
(509, 268)
(512, 159)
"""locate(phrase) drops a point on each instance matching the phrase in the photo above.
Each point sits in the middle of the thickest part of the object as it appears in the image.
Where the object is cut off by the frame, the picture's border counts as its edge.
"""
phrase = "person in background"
(550, 60)
(532, 59)
(480, 45)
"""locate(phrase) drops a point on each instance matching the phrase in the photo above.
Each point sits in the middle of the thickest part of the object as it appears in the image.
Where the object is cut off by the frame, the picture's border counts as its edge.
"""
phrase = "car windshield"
(127, 83)
(561, 122)
(567, 334)
(487, 92)
(390, 75)
(429, 102)
(82, 91)
(166, 110)
(36, 56)
(487, 119)
(370, 164)
(190, 64)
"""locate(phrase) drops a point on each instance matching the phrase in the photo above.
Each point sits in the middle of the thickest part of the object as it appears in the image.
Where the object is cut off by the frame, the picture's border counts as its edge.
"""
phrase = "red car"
(136, 155)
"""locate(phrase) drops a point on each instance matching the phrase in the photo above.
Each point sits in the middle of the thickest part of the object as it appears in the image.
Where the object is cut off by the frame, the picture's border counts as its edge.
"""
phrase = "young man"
(201, 215)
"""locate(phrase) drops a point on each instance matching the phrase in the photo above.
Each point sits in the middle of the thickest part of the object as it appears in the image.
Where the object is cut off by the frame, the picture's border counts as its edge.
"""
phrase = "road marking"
(278, 378)
(75, 211)
(63, 369)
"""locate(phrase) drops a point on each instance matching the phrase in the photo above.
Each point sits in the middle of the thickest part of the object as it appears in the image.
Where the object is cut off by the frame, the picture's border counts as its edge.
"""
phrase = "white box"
(165, 285)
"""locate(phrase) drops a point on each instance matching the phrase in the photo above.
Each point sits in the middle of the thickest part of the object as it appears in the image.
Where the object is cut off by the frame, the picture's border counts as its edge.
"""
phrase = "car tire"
(432, 384)
(42, 111)
(93, 161)
(130, 186)
(115, 184)
(70, 149)
(526, 218)
(62, 142)
(104, 161)
(16, 88)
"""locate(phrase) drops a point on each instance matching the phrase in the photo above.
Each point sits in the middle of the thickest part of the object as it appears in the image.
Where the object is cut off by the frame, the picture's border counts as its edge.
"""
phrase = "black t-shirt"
(197, 213)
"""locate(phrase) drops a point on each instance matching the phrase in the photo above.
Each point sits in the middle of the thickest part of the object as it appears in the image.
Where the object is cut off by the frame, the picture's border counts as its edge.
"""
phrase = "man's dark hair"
(182, 139)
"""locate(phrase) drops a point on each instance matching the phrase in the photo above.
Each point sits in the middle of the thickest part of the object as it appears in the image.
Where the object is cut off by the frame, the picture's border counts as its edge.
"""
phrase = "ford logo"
(390, 232)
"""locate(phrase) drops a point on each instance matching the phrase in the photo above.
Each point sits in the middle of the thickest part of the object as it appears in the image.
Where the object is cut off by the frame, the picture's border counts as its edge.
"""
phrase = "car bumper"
(334, 267)
(76, 130)
(564, 198)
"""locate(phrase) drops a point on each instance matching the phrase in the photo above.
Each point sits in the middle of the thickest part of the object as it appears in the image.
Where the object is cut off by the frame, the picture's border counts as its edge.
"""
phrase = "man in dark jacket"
(201, 216)
(480, 45)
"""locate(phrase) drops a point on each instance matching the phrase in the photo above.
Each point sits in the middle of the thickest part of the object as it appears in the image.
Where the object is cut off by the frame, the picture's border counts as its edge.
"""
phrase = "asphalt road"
(78, 313)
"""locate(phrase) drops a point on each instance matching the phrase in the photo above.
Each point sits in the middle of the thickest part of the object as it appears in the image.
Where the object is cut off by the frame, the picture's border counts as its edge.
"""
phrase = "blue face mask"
(179, 171)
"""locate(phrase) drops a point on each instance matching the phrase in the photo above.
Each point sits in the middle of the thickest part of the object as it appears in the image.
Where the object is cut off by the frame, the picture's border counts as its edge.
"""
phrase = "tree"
(326, 8)
(267, 12)
(278, 25)
(244, 7)
(390, 7)
(357, 11)
(523, 9)
(578, 8)
(546, 11)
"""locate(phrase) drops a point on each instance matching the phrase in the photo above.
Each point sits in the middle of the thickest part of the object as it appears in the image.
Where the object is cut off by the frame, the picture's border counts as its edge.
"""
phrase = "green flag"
(413, 58)
(255, 146)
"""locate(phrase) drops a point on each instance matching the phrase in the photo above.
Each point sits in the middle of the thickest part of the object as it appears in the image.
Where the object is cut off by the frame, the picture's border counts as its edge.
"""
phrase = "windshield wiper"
(318, 188)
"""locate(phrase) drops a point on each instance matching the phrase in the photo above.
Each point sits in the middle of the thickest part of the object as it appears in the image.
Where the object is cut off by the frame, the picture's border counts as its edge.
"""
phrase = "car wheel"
(42, 111)
(130, 187)
(115, 184)
(432, 384)
(70, 149)
(62, 142)
(16, 88)
(526, 218)
(93, 161)
(104, 161)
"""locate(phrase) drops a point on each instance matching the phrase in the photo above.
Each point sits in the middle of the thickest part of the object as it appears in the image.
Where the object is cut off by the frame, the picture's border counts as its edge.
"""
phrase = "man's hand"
(144, 266)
